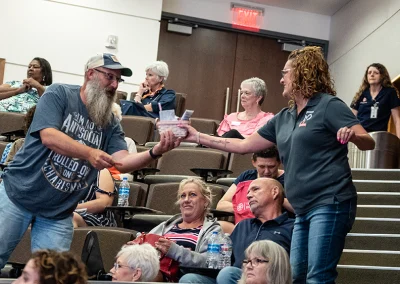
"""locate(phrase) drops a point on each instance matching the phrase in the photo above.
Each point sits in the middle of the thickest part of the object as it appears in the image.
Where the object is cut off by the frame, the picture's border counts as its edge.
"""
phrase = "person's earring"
(44, 77)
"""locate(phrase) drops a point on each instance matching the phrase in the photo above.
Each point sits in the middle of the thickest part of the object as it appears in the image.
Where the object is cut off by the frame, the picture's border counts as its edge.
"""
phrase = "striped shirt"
(184, 237)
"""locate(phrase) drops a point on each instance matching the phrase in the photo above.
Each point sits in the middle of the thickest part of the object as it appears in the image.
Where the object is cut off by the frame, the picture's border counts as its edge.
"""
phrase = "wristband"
(198, 137)
(153, 156)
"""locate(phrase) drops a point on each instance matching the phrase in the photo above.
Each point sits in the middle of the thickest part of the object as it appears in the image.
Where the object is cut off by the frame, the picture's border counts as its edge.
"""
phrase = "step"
(370, 257)
(376, 174)
(376, 225)
(372, 241)
(380, 198)
(377, 185)
(357, 274)
(378, 211)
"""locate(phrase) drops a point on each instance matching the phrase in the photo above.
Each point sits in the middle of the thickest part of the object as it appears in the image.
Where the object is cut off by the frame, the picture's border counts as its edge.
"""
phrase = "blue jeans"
(45, 233)
(318, 241)
(228, 275)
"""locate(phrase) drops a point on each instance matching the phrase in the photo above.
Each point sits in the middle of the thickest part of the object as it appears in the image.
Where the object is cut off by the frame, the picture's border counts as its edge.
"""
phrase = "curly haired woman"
(51, 267)
(311, 136)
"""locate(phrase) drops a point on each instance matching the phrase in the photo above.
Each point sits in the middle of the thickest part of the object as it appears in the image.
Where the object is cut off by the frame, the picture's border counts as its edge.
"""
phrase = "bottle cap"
(125, 178)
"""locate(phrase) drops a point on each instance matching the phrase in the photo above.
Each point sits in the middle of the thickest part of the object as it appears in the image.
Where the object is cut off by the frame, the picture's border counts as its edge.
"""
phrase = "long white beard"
(99, 101)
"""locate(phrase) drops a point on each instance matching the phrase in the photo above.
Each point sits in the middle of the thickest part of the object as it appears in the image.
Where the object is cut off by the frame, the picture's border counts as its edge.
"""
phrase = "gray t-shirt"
(317, 170)
(44, 182)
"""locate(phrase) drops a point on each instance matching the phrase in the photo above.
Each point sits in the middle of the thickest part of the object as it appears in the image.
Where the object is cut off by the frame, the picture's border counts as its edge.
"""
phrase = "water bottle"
(226, 251)
(213, 251)
(123, 193)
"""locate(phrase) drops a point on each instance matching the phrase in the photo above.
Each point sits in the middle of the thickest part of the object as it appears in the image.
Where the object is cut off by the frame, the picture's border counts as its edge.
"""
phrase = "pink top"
(245, 127)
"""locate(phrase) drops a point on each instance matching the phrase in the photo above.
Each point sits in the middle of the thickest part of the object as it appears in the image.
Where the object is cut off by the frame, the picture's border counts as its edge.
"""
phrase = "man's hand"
(100, 159)
(168, 141)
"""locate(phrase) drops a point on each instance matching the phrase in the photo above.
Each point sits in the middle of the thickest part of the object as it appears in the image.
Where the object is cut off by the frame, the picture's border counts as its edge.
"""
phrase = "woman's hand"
(32, 83)
(192, 133)
(143, 88)
(163, 245)
(344, 135)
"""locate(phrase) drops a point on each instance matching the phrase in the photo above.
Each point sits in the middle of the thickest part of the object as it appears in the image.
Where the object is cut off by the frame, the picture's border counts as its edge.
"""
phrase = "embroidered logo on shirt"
(277, 233)
(307, 117)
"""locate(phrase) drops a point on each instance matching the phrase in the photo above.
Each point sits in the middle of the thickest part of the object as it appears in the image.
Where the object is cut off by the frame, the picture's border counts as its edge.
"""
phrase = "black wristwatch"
(155, 157)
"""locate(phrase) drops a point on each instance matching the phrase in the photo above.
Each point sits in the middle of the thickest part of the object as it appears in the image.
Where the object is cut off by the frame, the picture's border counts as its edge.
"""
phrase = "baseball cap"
(107, 60)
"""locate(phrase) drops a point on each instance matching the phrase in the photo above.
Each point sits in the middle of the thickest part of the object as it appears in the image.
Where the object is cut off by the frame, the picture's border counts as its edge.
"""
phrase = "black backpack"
(91, 256)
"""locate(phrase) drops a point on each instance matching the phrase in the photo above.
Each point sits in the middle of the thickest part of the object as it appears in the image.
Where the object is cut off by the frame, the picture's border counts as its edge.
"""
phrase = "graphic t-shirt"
(49, 184)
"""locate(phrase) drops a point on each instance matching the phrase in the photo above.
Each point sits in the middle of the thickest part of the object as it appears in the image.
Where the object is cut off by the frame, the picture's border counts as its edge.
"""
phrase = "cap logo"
(114, 58)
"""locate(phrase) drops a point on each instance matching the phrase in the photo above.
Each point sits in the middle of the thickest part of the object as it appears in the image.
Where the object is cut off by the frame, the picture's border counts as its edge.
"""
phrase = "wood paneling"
(2, 67)
(260, 57)
(204, 64)
(201, 65)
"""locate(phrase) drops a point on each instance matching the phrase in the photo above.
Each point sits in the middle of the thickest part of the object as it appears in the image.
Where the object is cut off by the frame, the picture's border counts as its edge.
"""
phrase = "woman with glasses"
(242, 124)
(377, 100)
(20, 96)
(152, 96)
(136, 263)
(266, 263)
(312, 136)
(51, 267)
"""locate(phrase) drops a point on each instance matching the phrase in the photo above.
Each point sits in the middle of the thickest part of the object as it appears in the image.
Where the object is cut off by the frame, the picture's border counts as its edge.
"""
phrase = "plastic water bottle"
(226, 251)
(213, 251)
(123, 193)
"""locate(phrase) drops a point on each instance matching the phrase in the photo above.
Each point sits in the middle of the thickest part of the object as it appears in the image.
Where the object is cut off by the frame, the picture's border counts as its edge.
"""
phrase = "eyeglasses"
(111, 77)
(246, 93)
(255, 261)
(117, 265)
(284, 72)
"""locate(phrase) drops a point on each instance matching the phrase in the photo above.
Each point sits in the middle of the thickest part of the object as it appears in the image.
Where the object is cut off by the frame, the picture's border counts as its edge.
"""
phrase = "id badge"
(235, 123)
(374, 111)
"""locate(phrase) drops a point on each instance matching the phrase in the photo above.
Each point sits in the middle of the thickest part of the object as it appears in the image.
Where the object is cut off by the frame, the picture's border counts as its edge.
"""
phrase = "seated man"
(266, 165)
(265, 196)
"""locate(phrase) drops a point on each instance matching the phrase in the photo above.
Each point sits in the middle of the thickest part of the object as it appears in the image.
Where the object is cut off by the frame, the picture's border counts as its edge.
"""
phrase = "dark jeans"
(318, 241)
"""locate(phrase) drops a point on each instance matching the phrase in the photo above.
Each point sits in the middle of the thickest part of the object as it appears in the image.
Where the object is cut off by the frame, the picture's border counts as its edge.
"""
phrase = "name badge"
(235, 123)
(374, 110)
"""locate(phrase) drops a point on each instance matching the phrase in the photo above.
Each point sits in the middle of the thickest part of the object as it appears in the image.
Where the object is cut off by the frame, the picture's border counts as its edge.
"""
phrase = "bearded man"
(73, 135)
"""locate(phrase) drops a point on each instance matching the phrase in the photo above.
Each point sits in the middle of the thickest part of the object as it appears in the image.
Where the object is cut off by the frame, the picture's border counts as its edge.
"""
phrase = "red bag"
(168, 266)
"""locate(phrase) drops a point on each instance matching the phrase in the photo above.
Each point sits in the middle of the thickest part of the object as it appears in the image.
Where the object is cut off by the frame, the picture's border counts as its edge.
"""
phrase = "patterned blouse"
(19, 103)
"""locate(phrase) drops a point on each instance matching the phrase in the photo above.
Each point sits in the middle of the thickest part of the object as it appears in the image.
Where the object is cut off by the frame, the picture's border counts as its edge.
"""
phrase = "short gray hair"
(259, 87)
(160, 68)
(204, 190)
(144, 257)
(278, 270)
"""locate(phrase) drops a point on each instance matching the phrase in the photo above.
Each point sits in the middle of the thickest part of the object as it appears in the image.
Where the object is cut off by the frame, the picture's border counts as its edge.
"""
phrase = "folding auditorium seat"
(238, 163)
(139, 128)
(205, 125)
(11, 121)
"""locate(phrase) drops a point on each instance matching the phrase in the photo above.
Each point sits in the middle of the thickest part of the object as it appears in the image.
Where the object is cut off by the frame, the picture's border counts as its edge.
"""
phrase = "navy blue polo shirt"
(278, 230)
(386, 100)
(252, 175)
(317, 170)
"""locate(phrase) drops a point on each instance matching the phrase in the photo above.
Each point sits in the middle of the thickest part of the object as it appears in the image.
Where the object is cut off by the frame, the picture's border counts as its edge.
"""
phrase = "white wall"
(363, 32)
(68, 32)
(275, 19)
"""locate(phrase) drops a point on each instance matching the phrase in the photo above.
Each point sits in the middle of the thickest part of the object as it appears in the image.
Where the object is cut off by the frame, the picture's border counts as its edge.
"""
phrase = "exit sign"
(246, 17)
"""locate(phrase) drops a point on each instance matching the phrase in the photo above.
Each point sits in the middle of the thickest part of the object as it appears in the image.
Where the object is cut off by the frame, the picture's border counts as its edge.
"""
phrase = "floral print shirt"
(19, 103)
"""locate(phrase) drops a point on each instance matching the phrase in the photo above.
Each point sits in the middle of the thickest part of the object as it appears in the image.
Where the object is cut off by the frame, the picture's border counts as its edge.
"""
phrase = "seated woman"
(186, 234)
(376, 100)
(266, 262)
(152, 94)
(90, 211)
(51, 267)
(243, 124)
(17, 96)
(136, 263)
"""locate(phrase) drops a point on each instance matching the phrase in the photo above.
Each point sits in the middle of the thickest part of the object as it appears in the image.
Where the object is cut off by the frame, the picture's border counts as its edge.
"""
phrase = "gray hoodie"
(183, 255)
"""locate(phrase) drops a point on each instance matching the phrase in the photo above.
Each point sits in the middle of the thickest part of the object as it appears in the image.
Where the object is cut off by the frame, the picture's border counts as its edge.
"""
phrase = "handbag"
(168, 266)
